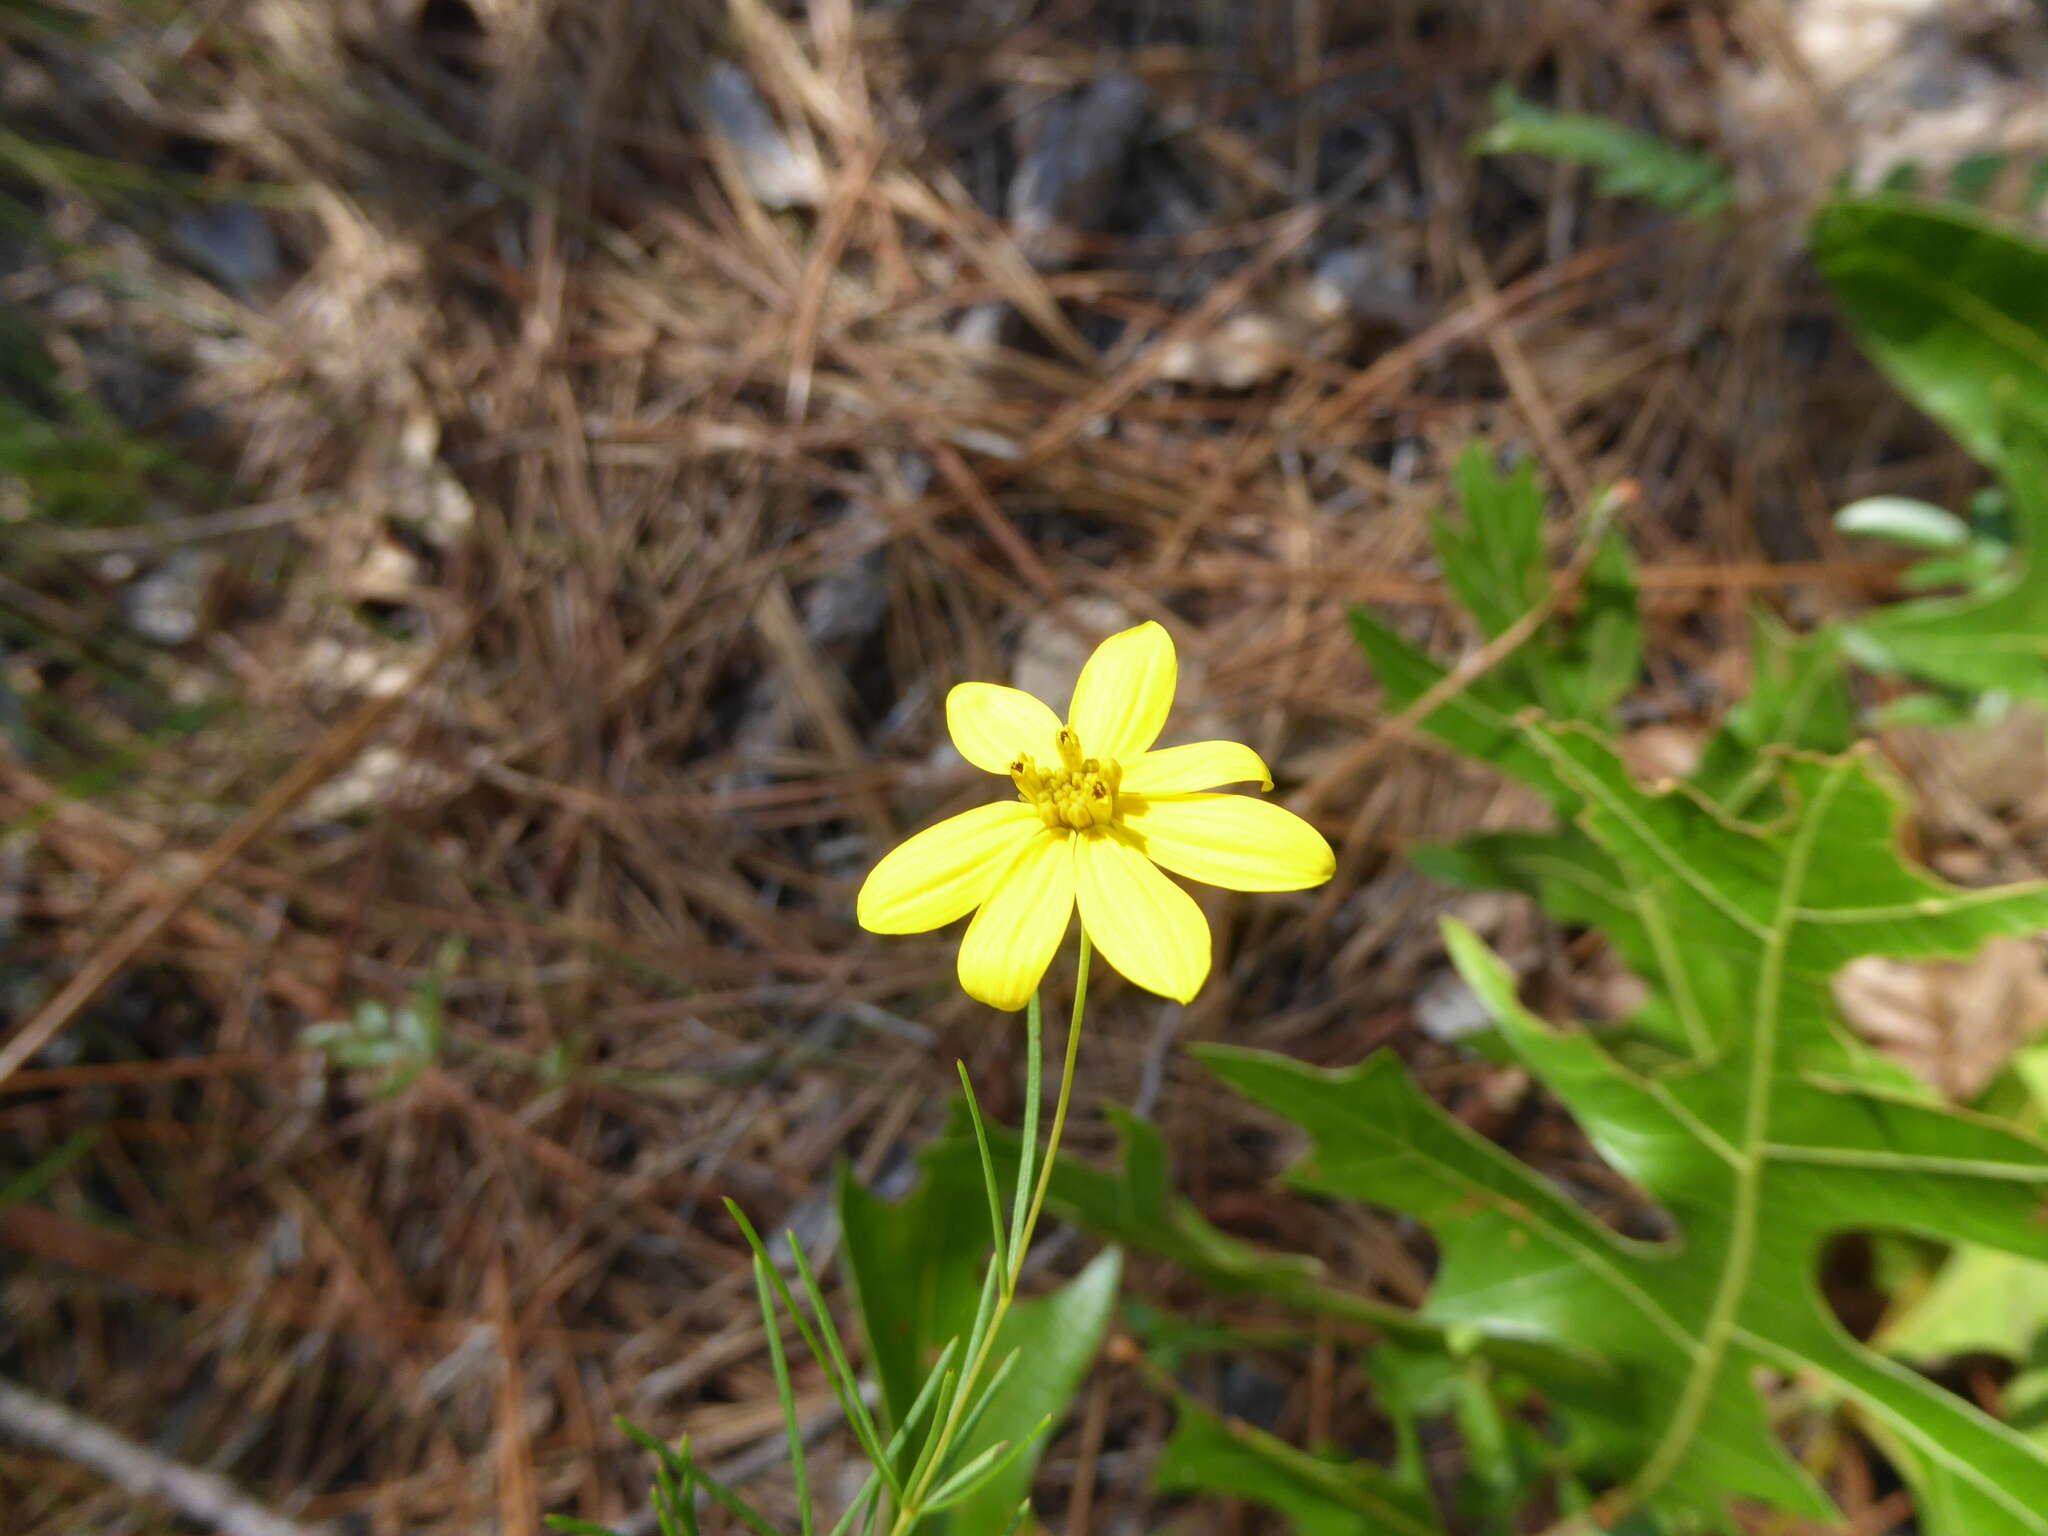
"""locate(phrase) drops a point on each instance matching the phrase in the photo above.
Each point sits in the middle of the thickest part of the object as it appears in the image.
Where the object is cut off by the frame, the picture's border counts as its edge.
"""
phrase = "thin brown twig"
(201, 1497)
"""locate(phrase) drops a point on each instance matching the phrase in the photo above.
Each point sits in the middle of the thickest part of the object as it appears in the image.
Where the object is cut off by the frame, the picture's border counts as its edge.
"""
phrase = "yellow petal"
(1145, 925)
(1124, 693)
(1012, 938)
(945, 871)
(1199, 765)
(992, 724)
(1234, 841)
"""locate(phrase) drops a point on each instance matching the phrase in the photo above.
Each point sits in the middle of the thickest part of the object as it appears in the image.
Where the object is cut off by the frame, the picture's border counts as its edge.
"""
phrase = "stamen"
(1073, 798)
(1025, 774)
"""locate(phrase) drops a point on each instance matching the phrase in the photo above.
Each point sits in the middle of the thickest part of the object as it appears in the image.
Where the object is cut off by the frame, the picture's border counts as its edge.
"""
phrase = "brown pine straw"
(723, 497)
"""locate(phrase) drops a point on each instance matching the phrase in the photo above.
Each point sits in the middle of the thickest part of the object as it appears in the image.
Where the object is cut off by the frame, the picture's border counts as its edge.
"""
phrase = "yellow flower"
(1097, 815)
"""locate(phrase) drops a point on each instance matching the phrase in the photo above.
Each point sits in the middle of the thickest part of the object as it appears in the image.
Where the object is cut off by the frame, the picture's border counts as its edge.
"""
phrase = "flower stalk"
(1034, 1179)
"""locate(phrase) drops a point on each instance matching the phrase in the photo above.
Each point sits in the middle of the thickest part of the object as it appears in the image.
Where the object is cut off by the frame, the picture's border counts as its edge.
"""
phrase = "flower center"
(1077, 795)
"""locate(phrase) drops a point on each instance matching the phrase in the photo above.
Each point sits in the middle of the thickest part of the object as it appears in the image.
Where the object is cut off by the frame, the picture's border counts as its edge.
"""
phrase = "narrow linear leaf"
(984, 1468)
(771, 1328)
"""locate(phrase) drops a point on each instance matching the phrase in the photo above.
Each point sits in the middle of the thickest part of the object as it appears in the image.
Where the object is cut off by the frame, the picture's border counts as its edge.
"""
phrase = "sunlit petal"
(945, 871)
(1145, 925)
(1199, 765)
(1235, 841)
(1013, 936)
(992, 724)
(1125, 692)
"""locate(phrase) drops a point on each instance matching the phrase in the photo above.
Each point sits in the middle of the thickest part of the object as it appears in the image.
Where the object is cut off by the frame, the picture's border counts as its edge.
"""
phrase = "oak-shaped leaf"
(1950, 303)
(1494, 559)
(1759, 1128)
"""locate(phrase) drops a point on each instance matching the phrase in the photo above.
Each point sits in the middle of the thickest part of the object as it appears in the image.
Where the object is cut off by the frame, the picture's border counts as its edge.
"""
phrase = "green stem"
(1059, 1113)
(934, 1458)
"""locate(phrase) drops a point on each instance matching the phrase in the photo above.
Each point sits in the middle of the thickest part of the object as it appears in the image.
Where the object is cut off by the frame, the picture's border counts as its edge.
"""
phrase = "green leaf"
(2026, 1404)
(1598, 656)
(1134, 1205)
(917, 1269)
(771, 1327)
(1494, 560)
(1904, 521)
(1798, 697)
(1630, 163)
(1953, 308)
(1762, 1134)
(1983, 1301)
(1478, 720)
(1929, 711)
(1993, 639)
(1208, 1455)
(1980, 565)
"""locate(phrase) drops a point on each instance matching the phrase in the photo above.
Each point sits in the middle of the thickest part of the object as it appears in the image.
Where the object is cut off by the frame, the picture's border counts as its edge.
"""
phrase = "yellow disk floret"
(1073, 797)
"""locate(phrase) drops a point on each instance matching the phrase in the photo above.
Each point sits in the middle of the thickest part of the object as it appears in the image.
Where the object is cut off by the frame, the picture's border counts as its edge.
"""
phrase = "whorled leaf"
(1761, 1132)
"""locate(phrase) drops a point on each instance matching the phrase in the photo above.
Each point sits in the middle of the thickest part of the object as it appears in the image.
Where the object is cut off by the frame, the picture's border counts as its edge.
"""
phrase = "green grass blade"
(667, 1501)
(831, 1352)
(734, 1505)
(988, 1465)
(931, 1446)
(972, 1422)
(988, 1173)
(1027, 1154)
(783, 1390)
(934, 1384)
(844, 1381)
(675, 1459)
